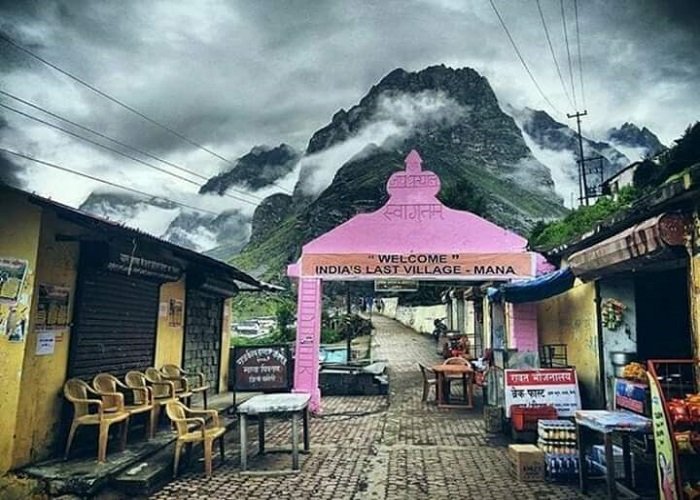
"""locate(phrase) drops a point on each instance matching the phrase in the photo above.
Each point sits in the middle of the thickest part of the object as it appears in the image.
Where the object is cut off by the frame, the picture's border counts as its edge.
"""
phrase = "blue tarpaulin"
(539, 288)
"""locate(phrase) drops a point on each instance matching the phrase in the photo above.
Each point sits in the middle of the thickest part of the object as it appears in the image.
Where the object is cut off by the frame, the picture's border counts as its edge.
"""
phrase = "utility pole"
(583, 189)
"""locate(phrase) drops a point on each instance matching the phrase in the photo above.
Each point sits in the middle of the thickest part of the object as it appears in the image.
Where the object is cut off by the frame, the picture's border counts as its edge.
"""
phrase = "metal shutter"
(115, 324)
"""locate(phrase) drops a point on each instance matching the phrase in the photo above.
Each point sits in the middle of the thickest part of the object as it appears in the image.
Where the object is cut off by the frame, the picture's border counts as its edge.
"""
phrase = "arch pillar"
(308, 340)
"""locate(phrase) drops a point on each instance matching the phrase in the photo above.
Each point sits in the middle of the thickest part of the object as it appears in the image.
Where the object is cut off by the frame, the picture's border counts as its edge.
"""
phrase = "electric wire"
(103, 181)
(568, 52)
(554, 57)
(522, 60)
(113, 150)
(120, 103)
(115, 141)
(580, 63)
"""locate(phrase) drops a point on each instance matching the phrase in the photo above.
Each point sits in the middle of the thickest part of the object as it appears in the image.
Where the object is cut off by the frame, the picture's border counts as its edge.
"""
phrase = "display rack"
(553, 356)
(676, 424)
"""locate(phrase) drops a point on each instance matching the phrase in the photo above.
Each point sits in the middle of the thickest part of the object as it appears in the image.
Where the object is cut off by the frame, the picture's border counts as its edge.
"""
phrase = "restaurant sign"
(424, 266)
(551, 386)
(261, 368)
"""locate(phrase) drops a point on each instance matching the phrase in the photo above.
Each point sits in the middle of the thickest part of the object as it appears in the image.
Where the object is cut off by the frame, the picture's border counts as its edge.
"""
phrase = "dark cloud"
(9, 170)
(234, 74)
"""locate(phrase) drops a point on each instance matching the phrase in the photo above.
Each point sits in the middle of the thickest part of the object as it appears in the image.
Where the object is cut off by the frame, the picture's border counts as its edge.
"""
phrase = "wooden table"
(607, 423)
(296, 405)
(466, 373)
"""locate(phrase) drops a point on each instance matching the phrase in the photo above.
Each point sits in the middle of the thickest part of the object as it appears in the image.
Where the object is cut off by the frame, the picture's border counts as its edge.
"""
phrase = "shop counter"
(607, 423)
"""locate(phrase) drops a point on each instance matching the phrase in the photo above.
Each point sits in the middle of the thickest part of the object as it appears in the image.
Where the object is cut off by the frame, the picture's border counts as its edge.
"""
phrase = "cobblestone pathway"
(378, 448)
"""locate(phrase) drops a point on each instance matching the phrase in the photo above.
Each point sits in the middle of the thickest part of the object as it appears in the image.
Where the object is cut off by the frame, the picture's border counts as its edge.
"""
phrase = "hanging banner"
(547, 386)
(423, 266)
(663, 444)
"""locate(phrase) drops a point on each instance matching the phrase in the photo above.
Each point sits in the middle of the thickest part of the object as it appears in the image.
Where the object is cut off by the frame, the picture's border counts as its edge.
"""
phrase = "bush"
(237, 341)
(284, 314)
(580, 220)
(330, 336)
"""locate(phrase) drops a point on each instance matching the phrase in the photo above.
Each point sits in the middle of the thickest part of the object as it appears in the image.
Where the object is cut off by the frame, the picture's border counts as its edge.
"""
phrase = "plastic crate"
(525, 418)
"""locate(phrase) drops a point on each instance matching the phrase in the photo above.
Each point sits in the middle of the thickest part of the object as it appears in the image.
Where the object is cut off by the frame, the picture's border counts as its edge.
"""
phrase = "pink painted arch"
(412, 236)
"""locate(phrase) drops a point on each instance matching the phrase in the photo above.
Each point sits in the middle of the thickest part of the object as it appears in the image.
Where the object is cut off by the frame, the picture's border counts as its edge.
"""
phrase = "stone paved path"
(379, 448)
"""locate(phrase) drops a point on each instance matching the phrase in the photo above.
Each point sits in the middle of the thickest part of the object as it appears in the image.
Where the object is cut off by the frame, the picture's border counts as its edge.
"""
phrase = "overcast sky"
(230, 74)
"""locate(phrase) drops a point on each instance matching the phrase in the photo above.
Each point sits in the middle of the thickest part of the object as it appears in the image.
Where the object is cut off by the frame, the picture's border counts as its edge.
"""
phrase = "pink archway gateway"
(413, 236)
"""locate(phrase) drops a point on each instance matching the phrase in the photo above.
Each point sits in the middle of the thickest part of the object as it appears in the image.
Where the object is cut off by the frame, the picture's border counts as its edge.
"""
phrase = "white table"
(296, 405)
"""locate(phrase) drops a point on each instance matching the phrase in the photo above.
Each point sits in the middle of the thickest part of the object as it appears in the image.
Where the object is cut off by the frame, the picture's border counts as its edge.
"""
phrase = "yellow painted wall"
(38, 431)
(570, 318)
(694, 285)
(170, 338)
(225, 346)
(19, 238)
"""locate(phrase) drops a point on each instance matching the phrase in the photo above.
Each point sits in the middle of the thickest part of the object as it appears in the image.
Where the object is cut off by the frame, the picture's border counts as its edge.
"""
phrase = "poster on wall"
(12, 275)
(52, 307)
(551, 386)
(13, 321)
(176, 308)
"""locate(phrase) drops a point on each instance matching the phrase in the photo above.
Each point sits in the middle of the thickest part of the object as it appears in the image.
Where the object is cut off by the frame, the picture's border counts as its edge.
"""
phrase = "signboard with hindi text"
(261, 368)
(557, 387)
(423, 266)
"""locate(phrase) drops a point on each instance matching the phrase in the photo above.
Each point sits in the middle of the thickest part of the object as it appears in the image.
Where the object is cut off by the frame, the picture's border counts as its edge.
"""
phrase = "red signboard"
(540, 377)
(556, 387)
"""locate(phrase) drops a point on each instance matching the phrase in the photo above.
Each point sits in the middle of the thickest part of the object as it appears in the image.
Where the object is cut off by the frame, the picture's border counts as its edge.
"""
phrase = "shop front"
(80, 296)
(116, 310)
(641, 276)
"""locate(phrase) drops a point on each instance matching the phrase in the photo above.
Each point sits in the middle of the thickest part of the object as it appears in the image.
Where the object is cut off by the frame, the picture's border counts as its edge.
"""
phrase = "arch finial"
(413, 162)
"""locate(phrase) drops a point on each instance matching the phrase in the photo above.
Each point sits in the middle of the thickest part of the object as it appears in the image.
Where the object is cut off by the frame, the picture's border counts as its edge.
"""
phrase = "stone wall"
(420, 318)
(203, 335)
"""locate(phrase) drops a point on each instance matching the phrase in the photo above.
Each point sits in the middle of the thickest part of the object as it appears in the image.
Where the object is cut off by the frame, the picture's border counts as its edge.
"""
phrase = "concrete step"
(146, 476)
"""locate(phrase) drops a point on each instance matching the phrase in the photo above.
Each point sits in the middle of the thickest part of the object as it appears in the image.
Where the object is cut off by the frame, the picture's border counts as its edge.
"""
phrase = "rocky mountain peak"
(631, 136)
(430, 87)
(459, 83)
(549, 134)
(261, 167)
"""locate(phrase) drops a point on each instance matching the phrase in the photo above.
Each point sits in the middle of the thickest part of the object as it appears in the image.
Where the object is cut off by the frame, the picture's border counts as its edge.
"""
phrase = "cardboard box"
(526, 462)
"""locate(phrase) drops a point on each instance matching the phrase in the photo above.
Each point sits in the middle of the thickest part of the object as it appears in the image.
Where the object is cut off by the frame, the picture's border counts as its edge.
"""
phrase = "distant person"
(380, 305)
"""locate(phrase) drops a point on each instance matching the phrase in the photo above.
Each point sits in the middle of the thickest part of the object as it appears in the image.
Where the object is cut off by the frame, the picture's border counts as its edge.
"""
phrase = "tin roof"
(248, 282)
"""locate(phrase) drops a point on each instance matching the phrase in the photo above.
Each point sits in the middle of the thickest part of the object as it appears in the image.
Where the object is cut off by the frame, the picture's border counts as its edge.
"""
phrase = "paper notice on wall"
(163, 310)
(45, 343)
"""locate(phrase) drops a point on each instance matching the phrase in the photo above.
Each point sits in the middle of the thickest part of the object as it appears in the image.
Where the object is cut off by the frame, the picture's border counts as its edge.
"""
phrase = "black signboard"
(262, 368)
